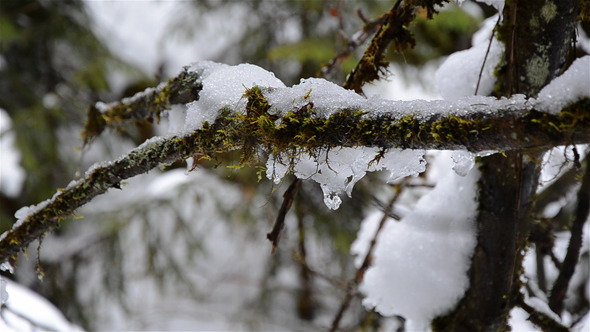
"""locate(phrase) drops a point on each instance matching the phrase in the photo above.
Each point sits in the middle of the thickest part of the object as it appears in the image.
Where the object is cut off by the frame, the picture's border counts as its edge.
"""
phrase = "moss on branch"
(144, 106)
(300, 131)
(394, 31)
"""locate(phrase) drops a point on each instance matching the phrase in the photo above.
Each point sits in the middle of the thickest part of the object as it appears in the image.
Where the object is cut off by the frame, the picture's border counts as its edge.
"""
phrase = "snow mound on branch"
(327, 98)
(25, 310)
(223, 86)
(420, 263)
(571, 86)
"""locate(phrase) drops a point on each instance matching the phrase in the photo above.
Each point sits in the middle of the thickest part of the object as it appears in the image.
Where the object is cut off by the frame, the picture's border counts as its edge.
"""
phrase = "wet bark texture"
(538, 36)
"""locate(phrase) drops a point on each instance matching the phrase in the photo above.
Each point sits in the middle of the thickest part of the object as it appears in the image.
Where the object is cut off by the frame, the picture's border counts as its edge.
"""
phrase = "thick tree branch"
(507, 185)
(513, 127)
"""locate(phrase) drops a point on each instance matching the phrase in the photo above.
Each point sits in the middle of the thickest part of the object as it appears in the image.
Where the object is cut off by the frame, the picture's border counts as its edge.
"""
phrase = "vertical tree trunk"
(538, 36)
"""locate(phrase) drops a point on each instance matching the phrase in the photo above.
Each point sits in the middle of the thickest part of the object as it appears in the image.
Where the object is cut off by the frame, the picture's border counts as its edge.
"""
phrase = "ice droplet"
(332, 200)
(7, 267)
(463, 162)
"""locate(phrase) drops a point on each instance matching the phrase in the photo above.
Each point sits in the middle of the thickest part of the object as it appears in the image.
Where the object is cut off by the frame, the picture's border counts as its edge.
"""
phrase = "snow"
(223, 86)
(497, 4)
(420, 263)
(27, 311)
(572, 85)
(583, 39)
(338, 170)
(458, 76)
(327, 98)
(12, 175)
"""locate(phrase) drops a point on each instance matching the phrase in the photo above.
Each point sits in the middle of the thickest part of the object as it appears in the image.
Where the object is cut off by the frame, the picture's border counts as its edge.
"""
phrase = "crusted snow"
(327, 98)
(224, 86)
(420, 263)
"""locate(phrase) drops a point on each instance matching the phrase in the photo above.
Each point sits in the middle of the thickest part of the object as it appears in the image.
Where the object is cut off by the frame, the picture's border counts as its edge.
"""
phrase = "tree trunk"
(538, 36)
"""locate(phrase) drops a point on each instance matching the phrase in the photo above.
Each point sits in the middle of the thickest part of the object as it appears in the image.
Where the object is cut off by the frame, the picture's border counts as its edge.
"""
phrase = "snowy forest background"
(179, 250)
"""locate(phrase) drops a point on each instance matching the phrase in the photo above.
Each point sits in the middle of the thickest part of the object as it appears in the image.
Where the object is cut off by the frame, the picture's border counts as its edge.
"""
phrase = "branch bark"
(487, 129)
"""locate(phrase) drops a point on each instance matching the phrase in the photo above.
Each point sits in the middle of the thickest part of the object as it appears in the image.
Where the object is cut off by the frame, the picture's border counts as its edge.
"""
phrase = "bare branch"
(573, 251)
(275, 235)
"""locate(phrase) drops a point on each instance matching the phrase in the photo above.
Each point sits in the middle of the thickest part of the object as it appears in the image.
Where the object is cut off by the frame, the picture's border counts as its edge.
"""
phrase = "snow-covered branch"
(311, 118)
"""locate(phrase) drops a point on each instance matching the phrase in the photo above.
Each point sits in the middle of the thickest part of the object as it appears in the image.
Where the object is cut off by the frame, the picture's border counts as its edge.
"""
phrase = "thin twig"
(353, 43)
(332, 281)
(360, 272)
(486, 56)
(540, 319)
(561, 284)
(275, 235)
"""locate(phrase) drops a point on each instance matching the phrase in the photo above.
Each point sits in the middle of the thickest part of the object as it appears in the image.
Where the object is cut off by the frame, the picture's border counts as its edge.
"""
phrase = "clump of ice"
(572, 85)
(6, 266)
(223, 86)
(338, 170)
(463, 162)
(458, 76)
(420, 263)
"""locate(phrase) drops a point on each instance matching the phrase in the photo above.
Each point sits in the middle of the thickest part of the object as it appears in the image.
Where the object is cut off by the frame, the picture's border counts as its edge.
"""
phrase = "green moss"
(143, 108)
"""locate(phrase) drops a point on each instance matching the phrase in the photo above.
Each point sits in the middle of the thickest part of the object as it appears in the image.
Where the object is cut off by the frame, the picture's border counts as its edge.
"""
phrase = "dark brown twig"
(360, 272)
(353, 43)
(573, 251)
(540, 319)
(288, 197)
(487, 53)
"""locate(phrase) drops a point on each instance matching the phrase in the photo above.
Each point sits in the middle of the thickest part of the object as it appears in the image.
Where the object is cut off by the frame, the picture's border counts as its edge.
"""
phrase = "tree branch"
(573, 251)
(393, 30)
(143, 106)
(491, 127)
